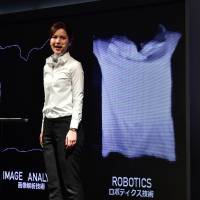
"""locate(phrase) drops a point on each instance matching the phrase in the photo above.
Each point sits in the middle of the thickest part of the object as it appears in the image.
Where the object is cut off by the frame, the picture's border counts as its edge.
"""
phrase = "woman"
(61, 135)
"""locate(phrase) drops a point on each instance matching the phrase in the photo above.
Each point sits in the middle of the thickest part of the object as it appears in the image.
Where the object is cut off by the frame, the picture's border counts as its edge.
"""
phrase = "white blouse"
(63, 88)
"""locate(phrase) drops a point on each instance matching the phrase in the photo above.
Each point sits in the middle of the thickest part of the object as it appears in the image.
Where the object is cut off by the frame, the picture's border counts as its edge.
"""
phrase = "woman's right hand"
(41, 139)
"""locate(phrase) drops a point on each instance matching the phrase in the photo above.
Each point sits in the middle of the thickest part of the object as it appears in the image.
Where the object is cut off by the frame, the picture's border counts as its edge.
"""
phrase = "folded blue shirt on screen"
(136, 95)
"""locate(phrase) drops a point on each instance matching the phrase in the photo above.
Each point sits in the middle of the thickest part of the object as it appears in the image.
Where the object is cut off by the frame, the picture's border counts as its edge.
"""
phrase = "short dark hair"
(58, 25)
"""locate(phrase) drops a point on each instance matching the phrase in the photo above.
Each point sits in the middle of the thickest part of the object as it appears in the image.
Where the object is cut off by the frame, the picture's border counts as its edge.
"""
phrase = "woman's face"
(59, 41)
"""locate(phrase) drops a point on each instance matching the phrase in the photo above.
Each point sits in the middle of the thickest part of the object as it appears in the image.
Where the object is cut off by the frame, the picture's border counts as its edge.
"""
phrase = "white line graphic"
(20, 151)
(25, 58)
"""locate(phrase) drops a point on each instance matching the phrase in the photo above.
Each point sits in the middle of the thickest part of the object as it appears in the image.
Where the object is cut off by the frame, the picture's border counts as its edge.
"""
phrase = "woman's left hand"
(71, 138)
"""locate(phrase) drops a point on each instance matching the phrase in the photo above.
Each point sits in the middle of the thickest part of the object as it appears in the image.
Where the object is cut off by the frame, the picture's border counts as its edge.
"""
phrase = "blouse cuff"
(74, 124)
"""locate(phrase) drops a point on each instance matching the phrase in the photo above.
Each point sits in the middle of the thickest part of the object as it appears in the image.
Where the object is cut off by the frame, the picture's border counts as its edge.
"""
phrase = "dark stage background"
(23, 49)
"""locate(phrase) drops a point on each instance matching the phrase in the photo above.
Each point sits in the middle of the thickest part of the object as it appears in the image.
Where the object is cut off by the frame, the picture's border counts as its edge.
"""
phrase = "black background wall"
(194, 70)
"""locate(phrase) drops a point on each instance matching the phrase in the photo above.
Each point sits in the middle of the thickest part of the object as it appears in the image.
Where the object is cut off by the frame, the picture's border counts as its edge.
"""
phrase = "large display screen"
(134, 113)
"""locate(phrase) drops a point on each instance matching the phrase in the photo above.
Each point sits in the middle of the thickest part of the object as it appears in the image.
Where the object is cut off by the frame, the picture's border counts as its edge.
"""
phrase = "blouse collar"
(61, 60)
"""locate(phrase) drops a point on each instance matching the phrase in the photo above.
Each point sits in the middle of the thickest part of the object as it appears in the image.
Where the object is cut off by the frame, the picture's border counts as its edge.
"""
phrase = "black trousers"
(62, 165)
